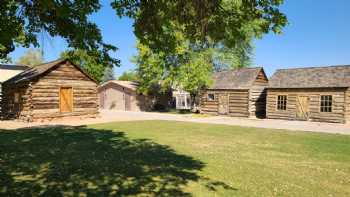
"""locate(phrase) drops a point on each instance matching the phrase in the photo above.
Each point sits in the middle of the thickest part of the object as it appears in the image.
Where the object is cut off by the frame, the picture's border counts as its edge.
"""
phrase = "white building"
(183, 99)
(9, 71)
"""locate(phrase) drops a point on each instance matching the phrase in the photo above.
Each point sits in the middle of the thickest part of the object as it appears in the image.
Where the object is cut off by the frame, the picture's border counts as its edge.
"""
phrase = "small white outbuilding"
(183, 99)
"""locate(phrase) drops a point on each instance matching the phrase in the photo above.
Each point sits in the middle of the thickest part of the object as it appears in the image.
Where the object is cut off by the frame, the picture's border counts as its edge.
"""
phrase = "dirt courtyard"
(115, 116)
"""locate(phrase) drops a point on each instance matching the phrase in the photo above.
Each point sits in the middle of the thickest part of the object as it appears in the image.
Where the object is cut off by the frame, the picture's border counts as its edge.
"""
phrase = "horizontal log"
(209, 110)
(52, 111)
(66, 77)
(60, 115)
(52, 94)
(85, 99)
(44, 81)
(209, 103)
(238, 114)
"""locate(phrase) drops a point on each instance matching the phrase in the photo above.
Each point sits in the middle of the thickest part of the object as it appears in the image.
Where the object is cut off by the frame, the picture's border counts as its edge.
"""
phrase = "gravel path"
(110, 116)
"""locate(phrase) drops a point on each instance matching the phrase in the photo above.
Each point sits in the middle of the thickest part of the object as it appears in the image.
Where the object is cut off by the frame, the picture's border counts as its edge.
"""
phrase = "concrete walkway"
(111, 116)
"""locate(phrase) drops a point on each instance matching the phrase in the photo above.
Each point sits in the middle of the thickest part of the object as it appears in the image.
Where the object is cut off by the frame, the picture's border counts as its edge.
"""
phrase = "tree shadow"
(71, 161)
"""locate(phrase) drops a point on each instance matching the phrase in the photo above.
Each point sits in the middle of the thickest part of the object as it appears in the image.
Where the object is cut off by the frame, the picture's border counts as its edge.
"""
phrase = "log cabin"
(123, 96)
(52, 90)
(7, 72)
(238, 92)
(318, 94)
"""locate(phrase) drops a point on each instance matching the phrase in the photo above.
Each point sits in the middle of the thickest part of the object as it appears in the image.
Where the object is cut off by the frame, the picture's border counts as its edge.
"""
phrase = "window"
(281, 102)
(211, 97)
(326, 103)
(16, 97)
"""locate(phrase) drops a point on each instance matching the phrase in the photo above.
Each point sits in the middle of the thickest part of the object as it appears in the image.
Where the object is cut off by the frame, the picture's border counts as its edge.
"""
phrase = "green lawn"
(163, 158)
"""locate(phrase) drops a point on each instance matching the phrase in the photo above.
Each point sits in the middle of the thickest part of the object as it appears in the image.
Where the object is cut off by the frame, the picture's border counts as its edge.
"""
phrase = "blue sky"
(318, 34)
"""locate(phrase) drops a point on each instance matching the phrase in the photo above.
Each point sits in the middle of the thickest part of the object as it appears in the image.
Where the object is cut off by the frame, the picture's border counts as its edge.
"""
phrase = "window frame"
(210, 99)
(277, 102)
(329, 107)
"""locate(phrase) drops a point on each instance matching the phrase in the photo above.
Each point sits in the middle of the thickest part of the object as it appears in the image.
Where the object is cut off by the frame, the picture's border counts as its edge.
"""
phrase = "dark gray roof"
(241, 78)
(312, 77)
(13, 67)
(38, 70)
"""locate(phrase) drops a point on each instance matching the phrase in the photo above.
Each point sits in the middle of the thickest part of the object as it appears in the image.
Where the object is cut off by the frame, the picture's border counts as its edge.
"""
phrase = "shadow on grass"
(70, 161)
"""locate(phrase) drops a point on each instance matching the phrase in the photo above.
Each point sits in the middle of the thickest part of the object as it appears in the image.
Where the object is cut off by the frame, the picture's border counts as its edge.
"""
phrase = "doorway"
(223, 104)
(66, 99)
(302, 107)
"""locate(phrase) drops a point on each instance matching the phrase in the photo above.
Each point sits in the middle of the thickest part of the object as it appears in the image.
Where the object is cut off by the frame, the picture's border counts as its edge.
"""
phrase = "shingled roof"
(41, 69)
(312, 77)
(242, 78)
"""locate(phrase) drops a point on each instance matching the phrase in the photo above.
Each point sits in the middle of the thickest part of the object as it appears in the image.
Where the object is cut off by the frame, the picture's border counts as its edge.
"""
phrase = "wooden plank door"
(303, 107)
(66, 99)
(223, 104)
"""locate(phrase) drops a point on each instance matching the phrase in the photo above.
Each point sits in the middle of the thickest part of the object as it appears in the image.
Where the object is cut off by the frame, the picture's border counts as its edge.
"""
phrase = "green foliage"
(108, 74)
(31, 57)
(129, 76)
(222, 21)
(227, 58)
(190, 66)
(188, 70)
(5, 60)
(180, 48)
(225, 23)
(22, 21)
(89, 63)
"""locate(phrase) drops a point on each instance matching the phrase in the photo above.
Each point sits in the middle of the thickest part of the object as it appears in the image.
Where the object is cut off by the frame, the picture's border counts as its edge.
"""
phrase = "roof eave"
(306, 87)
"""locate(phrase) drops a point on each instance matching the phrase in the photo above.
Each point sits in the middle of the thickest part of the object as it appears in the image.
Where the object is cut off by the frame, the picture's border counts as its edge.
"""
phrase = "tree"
(5, 60)
(31, 57)
(108, 74)
(22, 21)
(228, 22)
(89, 63)
(190, 66)
(221, 21)
(129, 76)
(227, 58)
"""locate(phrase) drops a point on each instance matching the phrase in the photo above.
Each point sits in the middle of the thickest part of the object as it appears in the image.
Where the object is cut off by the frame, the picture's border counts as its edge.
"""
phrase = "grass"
(177, 111)
(163, 158)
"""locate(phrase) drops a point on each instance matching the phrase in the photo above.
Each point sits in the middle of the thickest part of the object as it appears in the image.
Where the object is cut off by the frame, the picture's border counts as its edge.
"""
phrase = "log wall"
(347, 99)
(20, 110)
(338, 108)
(45, 93)
(257, 96)
(238, 102)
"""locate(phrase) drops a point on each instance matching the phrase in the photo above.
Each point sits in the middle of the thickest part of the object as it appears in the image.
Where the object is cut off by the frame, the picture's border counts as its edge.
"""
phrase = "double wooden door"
(302, 107)
(66, 99)
(223, 108)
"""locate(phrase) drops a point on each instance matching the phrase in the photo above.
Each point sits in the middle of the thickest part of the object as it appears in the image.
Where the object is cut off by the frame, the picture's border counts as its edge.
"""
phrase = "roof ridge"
(233, 69)
(311, 67)
(311, 77)
(50, 62)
